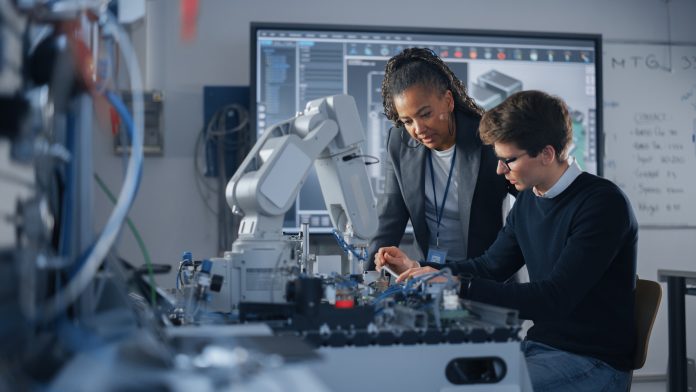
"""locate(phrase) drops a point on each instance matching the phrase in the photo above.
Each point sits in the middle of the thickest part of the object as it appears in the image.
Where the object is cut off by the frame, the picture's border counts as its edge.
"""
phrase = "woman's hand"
(395, 258)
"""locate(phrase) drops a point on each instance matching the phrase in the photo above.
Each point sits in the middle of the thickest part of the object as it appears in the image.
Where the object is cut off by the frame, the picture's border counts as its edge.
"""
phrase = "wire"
(138, 239)
(411, 286)
(182, 264)
(227, 142)
(178, 275)
(422, 279)
(211, 133)
(62, 299)
(200, 178)
(367, 163)
(392, 290)
(219, 118)
(362, 256)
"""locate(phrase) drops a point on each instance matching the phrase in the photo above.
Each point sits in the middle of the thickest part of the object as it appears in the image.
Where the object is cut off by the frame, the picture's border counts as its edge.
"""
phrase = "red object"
(345, 304)
(115, 121)
(189, 17)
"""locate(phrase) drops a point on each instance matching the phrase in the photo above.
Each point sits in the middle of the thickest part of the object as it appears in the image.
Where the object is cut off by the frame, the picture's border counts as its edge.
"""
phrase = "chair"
(648, 295)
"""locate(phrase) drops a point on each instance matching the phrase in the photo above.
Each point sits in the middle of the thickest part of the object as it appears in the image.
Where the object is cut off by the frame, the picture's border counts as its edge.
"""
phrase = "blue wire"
(122, 110)
(120, 107)
(348, 248)
(404, 289)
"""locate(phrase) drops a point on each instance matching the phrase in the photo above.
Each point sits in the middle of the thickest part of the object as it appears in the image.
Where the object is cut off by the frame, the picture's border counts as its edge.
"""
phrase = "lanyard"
(444, 198)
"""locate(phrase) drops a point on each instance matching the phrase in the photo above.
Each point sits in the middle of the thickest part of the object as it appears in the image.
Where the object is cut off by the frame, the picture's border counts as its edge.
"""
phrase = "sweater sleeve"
(502, 259)
(600, 228)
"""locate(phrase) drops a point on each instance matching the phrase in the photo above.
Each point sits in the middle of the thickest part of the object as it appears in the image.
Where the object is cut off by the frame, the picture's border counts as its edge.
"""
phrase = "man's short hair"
(531, 120)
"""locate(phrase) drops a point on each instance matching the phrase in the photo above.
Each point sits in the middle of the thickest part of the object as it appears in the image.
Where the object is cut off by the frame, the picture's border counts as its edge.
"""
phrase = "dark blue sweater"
(580, 250)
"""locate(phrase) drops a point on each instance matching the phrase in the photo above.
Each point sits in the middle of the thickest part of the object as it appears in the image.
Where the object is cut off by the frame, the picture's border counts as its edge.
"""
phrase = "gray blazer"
(481, 192)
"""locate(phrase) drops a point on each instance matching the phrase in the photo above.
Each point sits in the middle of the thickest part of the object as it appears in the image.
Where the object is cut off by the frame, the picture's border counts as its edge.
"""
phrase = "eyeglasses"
(508, 161)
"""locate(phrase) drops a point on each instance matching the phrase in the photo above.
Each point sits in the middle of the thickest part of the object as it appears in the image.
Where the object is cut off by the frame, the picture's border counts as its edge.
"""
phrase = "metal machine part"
(328, 135)
(305, 258)
(254, 272)
(470, 347)
(362, 316)
(492, 366)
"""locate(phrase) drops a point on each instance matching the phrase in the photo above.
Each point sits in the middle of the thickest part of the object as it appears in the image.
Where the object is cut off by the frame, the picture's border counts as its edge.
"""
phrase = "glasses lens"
(508, 161)
(505, 164)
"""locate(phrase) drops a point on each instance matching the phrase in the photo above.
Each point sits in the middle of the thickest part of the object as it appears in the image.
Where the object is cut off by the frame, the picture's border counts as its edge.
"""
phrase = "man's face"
(520, 169)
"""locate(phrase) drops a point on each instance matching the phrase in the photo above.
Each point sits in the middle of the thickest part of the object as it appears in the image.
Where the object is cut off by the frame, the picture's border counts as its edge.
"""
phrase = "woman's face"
(427, 116)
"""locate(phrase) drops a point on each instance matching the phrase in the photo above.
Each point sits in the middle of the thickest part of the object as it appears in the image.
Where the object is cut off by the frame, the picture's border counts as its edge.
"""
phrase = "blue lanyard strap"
(444, 198)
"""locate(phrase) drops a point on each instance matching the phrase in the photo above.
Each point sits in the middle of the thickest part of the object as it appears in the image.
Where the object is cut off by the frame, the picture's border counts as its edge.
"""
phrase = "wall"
(172, 216)
(650, 126)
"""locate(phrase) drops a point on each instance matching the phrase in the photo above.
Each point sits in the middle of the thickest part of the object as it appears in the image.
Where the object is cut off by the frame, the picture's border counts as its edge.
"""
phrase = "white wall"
(170, 213)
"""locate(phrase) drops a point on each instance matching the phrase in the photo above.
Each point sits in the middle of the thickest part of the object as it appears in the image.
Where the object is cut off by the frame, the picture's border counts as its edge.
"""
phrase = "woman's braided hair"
(422, 66)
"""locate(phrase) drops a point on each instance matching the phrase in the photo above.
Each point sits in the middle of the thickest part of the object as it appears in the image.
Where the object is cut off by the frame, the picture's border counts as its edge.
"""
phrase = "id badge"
(437, 255)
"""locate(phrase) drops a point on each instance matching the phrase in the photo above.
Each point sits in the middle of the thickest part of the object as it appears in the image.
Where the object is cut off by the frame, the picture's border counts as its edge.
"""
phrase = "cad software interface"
(295, 65)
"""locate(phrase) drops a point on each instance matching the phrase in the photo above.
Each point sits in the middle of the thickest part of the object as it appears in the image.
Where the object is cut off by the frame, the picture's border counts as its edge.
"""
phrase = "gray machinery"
(468, 347)
(327, 135)
(490, 366)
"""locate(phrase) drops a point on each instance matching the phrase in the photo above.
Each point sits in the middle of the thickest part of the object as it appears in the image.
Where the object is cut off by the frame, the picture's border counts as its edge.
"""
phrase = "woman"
(439, 174)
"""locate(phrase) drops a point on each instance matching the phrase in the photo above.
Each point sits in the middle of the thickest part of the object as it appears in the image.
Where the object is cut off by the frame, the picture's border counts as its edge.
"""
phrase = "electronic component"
(153, 142)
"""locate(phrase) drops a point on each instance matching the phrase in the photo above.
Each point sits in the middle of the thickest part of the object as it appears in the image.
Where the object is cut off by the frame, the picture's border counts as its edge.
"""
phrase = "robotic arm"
(327, 134)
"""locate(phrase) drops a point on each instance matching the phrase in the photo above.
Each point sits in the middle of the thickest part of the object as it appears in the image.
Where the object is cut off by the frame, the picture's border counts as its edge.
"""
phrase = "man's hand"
(417, 271)
(395, 258)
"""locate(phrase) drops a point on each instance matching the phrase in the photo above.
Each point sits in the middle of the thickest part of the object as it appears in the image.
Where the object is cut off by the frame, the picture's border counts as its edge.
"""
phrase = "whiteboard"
(650, 130)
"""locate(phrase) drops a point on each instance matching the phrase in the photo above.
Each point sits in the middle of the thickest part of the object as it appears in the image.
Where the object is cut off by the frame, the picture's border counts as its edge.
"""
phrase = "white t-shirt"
(450, 226)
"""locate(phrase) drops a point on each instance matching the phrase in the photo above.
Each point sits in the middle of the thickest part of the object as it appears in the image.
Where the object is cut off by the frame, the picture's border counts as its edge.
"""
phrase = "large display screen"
(292, 64)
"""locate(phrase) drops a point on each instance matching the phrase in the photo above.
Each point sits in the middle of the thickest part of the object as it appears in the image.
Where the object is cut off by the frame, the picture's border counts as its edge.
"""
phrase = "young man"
(576, 233)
